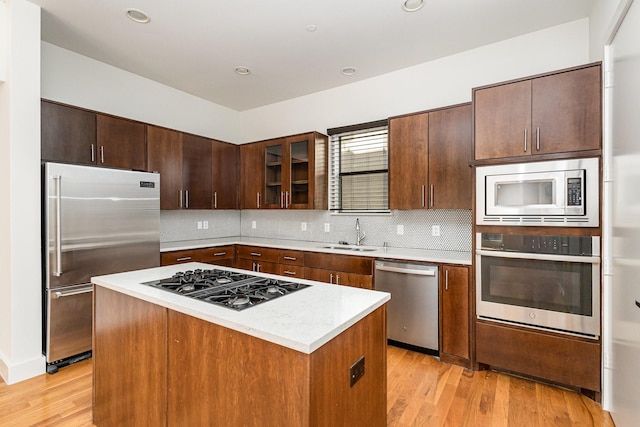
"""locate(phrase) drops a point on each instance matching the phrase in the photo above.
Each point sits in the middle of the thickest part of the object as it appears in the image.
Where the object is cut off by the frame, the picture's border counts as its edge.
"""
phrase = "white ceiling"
(194, 45)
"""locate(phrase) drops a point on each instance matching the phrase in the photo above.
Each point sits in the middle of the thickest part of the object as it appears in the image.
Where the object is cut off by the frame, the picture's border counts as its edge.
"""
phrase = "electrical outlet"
(400, 229)
(327, 227)
(253, 224)
(435, 230)
(303, 226)
(205, 225)
(356, 371)
(199, 225)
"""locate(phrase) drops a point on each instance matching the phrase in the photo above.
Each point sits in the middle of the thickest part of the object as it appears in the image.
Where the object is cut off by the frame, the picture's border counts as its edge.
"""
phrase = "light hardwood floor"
(422, 391)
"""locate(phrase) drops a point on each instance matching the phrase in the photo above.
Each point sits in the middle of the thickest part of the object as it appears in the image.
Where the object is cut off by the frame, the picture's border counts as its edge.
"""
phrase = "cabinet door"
(251, 176)
(503, 120)
(67, 134)
(225, 175)
(196, 172)
(339, 277)
(408, 161)
(567, 111)
(299, 171)
(164, 155)
(293, 271)
(450, 153)
(454, 311)
(274, 174)
(120, 143)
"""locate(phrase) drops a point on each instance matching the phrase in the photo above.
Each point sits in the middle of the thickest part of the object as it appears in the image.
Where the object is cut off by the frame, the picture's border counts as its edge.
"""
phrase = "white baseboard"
(14, 373)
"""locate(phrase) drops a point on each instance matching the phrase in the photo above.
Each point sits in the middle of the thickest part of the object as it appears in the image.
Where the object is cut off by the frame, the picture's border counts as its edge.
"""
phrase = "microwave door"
(525, 194)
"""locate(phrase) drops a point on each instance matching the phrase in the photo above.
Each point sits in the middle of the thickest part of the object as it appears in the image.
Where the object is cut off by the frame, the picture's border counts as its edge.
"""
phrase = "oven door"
(556, 292)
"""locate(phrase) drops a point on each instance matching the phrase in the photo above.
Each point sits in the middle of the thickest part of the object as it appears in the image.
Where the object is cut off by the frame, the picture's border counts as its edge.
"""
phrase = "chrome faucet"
(360, 235)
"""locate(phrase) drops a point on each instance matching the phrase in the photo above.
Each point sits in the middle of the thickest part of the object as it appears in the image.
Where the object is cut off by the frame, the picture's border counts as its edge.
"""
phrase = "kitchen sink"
(349, 248)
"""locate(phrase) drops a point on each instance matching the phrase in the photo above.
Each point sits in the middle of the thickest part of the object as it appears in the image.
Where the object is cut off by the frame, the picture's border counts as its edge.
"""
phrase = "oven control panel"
(562, 245)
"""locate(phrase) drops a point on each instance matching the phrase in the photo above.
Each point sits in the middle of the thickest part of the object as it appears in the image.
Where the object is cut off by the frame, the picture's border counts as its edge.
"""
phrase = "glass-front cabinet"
(293, 167)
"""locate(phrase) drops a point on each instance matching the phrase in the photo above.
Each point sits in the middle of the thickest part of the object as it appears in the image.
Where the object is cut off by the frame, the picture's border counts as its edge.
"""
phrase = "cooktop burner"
(226, 288)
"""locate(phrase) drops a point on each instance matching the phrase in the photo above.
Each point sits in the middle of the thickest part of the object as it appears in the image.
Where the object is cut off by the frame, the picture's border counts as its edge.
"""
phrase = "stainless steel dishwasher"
(412, 313)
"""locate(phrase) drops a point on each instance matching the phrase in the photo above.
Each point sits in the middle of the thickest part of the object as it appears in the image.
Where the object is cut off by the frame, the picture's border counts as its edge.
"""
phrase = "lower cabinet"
(346, 270)
(454, 315)
(255, 258)
(180, 257)
(219, 255)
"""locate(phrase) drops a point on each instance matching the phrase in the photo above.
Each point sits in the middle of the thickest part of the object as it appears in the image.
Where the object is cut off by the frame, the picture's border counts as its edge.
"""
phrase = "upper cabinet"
(285, 173)
(75, 135)
(224, 175)
(555, 113)
(429, 156)
(197, 172)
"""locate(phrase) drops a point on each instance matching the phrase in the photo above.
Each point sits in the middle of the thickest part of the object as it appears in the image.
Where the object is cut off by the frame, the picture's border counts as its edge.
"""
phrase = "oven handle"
(541, 257)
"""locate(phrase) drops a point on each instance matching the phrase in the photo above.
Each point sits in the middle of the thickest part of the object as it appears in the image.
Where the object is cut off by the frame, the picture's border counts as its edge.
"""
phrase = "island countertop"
(303, 321)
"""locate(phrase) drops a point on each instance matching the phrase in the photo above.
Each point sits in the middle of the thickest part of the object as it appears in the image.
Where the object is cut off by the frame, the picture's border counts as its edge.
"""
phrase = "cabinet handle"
(93, 154)
(258, 200)
(446, 280)
(258, 267)
(422, 195)
(290, 273)
(186, 258)
(525, 140)
(281, 199)
(255, 254)
(253, 266)
(102, 154)
(431, 196)
(215, 200)
(186, 199)
(331, 278)
(290, 258)
(638, 304)
(337, 279)
(286, 200)
(538, 138)
(220, 254)
(180, 198)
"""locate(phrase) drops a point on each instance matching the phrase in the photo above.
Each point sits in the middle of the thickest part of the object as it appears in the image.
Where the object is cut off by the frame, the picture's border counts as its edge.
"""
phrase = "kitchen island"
(310, 358)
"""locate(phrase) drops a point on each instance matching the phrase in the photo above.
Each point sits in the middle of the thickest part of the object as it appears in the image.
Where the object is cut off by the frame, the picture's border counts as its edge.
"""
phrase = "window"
(359, 168)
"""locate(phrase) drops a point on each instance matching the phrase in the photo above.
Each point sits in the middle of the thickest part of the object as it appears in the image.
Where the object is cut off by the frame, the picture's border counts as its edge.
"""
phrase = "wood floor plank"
(421, 390)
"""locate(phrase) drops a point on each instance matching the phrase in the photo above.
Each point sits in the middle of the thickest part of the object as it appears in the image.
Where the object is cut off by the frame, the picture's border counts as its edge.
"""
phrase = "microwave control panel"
(574, 192)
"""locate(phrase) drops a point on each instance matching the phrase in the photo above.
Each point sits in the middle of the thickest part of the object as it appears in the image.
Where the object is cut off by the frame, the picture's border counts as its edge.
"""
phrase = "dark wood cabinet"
(181, 257)
(196, 172)
(220, 255)
(68, 134)
(255, 258)
(556, 113)
(120, 143)
(292, 173)
(251, 176)
(454, 315)
(164, 155)
(224, 181)
(429, 156)
(347, 270)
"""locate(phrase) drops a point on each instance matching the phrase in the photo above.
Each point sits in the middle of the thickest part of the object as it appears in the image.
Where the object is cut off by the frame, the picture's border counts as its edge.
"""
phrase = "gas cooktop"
(226, 288)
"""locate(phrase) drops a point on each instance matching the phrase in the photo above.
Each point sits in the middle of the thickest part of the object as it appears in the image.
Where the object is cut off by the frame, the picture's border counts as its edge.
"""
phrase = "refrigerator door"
(69, 314)
(98, 221)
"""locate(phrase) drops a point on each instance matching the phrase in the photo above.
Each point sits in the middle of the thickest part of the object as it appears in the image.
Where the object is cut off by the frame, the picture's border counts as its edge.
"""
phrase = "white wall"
(74, 79)
(437, 83)
(3, 41)
(20, 290)
(601, 21)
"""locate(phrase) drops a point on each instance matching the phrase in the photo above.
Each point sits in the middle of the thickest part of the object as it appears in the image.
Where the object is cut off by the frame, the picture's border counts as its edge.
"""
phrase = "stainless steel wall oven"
(545, 282)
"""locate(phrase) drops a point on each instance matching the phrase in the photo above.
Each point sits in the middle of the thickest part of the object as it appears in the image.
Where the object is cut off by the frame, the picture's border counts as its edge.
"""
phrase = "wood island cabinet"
(285, 173)
(556, 113)
(454, 315)
(429, 156)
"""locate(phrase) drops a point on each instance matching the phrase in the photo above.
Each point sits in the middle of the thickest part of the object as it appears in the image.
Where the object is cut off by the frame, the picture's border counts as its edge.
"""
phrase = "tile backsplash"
(416, 227)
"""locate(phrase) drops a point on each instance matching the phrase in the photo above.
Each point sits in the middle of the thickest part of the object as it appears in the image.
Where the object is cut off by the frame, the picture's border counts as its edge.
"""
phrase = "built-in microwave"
(563, 193)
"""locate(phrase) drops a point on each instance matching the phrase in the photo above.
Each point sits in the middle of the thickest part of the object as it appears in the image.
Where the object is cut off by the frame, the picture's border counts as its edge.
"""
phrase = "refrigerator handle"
(58, 239)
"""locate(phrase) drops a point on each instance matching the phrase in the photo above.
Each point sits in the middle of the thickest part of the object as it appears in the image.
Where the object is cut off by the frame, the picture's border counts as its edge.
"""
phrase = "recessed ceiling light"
(412, 5)
(243, 71)
(348, 71)
(137, 16)
(311, 27)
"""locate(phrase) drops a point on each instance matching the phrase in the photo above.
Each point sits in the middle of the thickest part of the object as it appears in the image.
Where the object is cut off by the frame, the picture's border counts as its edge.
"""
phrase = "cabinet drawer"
(179, 257)
(258, 253)
(291, 257)
(258, 265)
(339, 278)
(292, 271)
(346, 263)
(218, 253)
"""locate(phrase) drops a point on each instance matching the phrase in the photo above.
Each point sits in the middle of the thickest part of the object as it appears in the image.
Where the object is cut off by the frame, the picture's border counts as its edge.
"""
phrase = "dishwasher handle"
(405, 270)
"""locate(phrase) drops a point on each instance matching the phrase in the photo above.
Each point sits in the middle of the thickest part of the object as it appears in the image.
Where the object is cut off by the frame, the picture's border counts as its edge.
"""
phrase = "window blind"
(359, 170)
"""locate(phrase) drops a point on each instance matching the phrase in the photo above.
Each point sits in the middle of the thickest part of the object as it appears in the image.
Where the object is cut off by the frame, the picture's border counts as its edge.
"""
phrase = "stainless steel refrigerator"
(95, 221)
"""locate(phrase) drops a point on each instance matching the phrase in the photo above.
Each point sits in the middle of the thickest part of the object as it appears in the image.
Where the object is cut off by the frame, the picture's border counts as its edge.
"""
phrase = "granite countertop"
(406, 254)
(303, 321)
